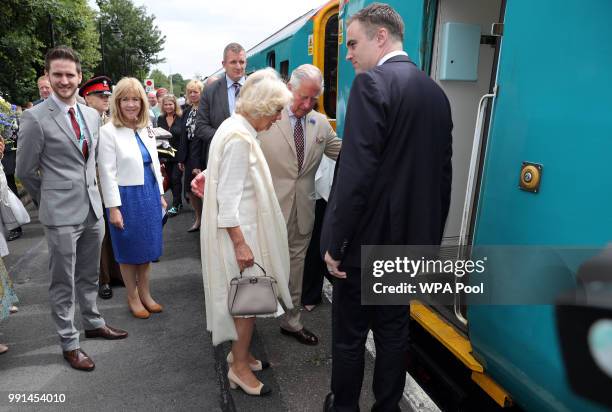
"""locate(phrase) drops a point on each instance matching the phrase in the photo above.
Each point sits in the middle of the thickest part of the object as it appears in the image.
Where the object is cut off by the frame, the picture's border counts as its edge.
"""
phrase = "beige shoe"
(255, 367)
(235, 382)
(3, 349)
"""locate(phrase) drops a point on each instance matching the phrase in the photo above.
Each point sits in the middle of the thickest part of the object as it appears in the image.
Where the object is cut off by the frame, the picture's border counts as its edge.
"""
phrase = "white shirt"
(293, 119)
(64, 108)
(231, 92)
(390, 55)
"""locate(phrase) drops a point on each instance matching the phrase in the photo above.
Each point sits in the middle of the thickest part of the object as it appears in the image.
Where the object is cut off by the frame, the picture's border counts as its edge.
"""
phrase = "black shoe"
(14, 234)
(304, 336)
(328, 406)
(105, 291)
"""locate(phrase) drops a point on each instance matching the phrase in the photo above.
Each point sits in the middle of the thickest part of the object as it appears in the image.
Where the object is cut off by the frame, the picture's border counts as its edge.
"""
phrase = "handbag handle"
(262, 269)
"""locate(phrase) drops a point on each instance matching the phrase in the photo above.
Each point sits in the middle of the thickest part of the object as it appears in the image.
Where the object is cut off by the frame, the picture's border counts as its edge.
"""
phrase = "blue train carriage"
(529, 86)
(311, 38)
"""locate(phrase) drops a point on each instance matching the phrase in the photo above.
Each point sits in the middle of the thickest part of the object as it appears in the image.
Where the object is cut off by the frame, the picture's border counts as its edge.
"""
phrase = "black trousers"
(350, 324)
(314, 265)
(176, 182)
(10, 179)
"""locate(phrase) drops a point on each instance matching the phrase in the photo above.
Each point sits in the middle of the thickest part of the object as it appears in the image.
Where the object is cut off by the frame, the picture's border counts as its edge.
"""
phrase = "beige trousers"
(298, 246)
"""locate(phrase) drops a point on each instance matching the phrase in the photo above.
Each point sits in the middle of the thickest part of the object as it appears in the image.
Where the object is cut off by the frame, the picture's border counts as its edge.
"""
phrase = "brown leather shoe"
(79, 360)
(303, 336)
(106, 332)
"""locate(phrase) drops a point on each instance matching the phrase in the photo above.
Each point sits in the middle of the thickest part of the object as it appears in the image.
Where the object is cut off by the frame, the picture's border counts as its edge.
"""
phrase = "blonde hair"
(191, 85)
(129, 85)
(263, 94)
(172, 98)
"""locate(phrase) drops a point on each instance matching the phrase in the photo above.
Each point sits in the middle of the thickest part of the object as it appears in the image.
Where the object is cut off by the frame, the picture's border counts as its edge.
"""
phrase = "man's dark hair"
(62, 53)
(378, 15)
(234, 47)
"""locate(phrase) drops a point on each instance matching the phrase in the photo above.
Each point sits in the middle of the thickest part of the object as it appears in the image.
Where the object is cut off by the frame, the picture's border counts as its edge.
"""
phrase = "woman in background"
(7, 294)
(191, 147)
(133, 191)
(171, 120)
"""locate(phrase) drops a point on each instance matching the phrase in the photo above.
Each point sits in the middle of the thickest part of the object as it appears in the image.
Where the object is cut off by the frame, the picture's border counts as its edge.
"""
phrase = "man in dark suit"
(218, 100)
(392, 187)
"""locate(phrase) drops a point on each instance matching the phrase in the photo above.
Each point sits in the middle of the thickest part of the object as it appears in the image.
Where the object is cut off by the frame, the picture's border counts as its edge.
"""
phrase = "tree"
(160, 79)
(130, 39)
(178, 84)
(28, 28)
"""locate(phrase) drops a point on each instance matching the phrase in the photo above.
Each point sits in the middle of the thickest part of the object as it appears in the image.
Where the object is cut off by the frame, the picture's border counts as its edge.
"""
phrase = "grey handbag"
(252, 295)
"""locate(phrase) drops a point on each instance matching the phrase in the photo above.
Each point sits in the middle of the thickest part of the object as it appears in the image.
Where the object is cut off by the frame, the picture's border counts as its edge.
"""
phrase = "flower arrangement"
(8, 118)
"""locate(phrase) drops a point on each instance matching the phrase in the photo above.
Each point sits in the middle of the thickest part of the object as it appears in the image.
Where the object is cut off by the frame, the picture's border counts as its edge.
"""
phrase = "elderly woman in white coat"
(243, 221)
(132, 187)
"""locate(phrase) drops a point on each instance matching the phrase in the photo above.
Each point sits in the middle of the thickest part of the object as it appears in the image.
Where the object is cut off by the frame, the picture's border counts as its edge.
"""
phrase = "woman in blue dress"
(132, 187)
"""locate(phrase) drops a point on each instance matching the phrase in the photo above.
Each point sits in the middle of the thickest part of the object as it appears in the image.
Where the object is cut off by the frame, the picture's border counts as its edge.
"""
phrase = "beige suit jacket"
(278, 146)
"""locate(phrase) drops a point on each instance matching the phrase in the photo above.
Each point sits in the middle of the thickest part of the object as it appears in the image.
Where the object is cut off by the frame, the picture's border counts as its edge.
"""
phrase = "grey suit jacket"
(52, 168)
(213, 110)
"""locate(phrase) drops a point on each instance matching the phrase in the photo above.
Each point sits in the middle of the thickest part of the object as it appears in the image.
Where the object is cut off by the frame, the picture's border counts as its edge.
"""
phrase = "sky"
(197, 30)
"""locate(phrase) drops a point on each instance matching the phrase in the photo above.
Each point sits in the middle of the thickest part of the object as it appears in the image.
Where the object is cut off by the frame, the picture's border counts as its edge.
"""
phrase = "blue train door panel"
(414, 13)
(553, 109)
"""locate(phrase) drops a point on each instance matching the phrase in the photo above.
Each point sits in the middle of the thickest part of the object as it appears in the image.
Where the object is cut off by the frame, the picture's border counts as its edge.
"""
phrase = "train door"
(325, 31)
(463, 62)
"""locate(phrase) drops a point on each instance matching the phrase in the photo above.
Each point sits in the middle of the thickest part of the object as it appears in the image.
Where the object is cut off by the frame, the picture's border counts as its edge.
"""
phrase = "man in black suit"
(392, 187)
(218, 100)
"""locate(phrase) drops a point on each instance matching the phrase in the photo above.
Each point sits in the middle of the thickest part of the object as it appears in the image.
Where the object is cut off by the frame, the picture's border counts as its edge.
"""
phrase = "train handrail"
(469, 193)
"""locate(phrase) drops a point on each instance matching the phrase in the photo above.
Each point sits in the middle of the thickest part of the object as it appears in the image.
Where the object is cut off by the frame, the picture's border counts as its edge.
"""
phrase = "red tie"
(77, 131)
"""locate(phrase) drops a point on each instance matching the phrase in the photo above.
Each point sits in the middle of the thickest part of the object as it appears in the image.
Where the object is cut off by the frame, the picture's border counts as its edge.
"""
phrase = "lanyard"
(79, 120)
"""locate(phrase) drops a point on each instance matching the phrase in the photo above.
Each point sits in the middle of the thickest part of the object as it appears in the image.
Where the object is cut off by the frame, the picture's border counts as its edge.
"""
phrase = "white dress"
(237, 202)
(239, 192)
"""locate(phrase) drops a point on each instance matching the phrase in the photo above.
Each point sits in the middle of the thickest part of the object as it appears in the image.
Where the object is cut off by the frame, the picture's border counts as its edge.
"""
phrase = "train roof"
(287, 31)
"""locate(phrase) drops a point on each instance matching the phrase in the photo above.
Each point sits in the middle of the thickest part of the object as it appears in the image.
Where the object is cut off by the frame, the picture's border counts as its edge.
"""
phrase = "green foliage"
(28, 28)
(130, 39)
(178, 84)
(163, 80)
(159, 79)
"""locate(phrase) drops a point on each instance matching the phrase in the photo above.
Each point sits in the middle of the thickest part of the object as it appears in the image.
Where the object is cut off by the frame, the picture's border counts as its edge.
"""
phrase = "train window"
(284, 70)
(271, 58)
(330, 69)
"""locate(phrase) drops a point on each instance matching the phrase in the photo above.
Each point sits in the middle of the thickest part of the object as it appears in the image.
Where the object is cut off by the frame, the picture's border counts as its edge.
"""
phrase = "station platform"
(168, 361)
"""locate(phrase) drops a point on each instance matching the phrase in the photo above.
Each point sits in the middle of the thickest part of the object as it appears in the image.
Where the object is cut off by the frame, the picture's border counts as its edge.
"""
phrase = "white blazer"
(120, 161)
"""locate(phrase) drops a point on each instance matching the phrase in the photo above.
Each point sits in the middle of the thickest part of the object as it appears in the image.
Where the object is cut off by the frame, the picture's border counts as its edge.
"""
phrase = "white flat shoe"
(235, 382)
(259, 365)
(13, 309)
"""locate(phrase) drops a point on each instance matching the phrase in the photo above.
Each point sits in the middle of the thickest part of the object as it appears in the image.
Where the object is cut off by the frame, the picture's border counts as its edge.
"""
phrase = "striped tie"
(298, 135)
(236, 89)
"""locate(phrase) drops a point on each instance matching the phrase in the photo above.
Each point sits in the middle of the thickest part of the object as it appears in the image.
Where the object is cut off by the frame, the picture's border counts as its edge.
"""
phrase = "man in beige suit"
(293, 148)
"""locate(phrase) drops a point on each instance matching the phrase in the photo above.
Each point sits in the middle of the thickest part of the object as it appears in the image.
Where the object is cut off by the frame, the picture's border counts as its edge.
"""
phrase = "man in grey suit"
(56, 162)
(219, 99)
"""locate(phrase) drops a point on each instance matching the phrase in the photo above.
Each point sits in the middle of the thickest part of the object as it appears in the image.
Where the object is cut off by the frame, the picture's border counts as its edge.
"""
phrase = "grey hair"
(234, 47)
(263, 94)
(306, 72)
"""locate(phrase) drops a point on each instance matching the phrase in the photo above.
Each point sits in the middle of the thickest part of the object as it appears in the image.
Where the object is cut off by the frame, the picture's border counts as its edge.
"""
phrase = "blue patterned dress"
(7, 294)
(140, 241)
